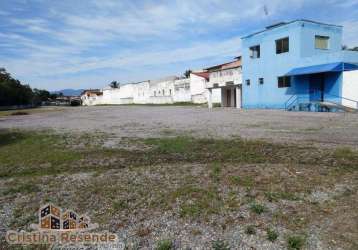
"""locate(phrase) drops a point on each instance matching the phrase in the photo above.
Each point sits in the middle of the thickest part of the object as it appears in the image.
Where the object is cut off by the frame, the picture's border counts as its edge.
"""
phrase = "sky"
(89, 43)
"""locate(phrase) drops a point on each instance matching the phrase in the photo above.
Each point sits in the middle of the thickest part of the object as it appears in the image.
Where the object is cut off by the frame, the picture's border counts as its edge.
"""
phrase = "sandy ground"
(327, 129)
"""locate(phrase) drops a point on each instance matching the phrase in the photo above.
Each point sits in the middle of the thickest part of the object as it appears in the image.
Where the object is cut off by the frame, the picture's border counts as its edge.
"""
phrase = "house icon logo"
(52, 217)
(57, 226)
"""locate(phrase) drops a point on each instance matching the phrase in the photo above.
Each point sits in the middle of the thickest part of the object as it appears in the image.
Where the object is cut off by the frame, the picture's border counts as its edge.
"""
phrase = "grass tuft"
(257, 208)
(276, 196)
(272, 235)
(296, 242)
(164, 245)
(220, 245)
(250, 230)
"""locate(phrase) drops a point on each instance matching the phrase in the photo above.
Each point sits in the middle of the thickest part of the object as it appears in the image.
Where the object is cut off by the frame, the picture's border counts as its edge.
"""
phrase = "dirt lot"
(185, 177)
(329, 129)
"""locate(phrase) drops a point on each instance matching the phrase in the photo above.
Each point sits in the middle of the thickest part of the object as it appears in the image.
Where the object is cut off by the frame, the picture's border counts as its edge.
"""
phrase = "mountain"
(69, 92)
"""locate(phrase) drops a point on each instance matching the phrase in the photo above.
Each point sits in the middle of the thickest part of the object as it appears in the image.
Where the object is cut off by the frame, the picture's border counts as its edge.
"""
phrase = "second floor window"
(282, 45)
(284, 81)
(248, 82)
(261, 81)
(321, 42)
(255, 51)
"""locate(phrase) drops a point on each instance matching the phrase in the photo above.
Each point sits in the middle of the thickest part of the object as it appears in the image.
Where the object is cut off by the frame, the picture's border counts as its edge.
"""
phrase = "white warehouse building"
(220, 84)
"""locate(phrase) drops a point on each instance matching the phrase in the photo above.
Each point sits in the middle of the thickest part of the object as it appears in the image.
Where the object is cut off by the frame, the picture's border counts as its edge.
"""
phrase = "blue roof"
(329, 67)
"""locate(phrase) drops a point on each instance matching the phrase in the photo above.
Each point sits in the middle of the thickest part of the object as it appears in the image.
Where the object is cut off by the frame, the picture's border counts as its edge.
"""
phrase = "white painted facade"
(227, 79)
(111, 96)
(182, 90)
(91, 98)
(141, 92)
(168, 90)
(161, 91)
(199, 92)
(350, 88)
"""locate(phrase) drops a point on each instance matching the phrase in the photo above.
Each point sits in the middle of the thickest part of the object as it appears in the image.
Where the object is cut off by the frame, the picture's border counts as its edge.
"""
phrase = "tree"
(187, 73)
(41, 95)
(114, 84)
(12, 92)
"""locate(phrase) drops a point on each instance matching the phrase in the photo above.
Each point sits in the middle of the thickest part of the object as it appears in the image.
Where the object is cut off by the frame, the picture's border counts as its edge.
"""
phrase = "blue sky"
(87, 44)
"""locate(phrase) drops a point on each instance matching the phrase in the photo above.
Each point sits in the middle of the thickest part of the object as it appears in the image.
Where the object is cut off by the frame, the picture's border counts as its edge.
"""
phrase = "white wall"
(224, 76)
(350, 88)
(161, 91)
(112, 96)
(141, 92)
(198, 89)
(182, 90)
(92, 100)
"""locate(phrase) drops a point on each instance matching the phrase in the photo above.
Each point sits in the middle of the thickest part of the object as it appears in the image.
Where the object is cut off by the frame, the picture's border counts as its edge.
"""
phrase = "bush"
(19, 113)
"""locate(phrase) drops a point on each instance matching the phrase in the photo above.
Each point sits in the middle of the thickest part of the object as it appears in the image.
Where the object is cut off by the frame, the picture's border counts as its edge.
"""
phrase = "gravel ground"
(327, 129)
(142, 217)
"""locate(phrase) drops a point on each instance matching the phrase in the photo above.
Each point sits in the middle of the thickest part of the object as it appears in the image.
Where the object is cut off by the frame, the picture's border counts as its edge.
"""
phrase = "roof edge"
(287, 23)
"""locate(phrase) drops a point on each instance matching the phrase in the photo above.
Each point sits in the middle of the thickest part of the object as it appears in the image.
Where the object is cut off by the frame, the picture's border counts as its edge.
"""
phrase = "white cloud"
(73, 37)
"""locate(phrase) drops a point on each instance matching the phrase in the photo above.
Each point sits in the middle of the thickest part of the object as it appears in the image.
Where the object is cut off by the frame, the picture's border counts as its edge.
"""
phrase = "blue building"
(299, 65)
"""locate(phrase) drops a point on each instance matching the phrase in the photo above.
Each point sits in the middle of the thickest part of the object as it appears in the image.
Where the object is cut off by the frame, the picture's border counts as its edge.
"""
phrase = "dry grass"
(206, 182)
(30, 111)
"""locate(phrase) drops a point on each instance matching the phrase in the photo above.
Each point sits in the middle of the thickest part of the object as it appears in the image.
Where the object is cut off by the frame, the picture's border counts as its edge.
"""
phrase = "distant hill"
(69, 92)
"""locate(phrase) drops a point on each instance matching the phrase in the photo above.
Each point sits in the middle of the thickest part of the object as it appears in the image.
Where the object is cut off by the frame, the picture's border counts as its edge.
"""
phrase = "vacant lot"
(187, 177)
(328, 129)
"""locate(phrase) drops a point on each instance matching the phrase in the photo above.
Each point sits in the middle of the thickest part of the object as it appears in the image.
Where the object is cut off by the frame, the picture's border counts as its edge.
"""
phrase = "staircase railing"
(292, 100)
(355, 102)
(296, 102)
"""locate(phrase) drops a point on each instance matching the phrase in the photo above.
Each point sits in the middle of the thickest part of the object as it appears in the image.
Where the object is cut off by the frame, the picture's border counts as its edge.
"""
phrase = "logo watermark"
(57, 226)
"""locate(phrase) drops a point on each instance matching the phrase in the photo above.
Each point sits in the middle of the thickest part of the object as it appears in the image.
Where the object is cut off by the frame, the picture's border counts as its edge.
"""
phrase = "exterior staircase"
(297, 103)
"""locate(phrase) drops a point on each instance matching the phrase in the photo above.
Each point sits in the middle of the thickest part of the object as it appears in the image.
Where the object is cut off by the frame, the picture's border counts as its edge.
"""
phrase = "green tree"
(187, 73)
(114, 84)
(12, 92)
(41, 95)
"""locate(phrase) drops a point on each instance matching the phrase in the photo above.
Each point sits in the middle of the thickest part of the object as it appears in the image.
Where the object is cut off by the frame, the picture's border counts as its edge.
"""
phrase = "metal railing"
(300, 103)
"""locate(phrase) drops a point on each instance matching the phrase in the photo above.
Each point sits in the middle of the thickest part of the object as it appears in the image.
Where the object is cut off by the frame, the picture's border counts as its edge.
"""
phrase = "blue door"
(316, 88)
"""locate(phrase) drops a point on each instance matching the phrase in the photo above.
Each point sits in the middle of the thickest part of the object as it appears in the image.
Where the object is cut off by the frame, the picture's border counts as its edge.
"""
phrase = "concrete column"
(210, 99)
(238, 97)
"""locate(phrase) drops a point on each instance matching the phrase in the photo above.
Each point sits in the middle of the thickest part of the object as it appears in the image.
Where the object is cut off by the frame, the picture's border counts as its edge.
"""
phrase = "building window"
(155, 93)
(163, 92)
(284, 81)
(170, 92)
(255, 51)
(282, 45)
(248, 82)
(321, 42)
(261, 81)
